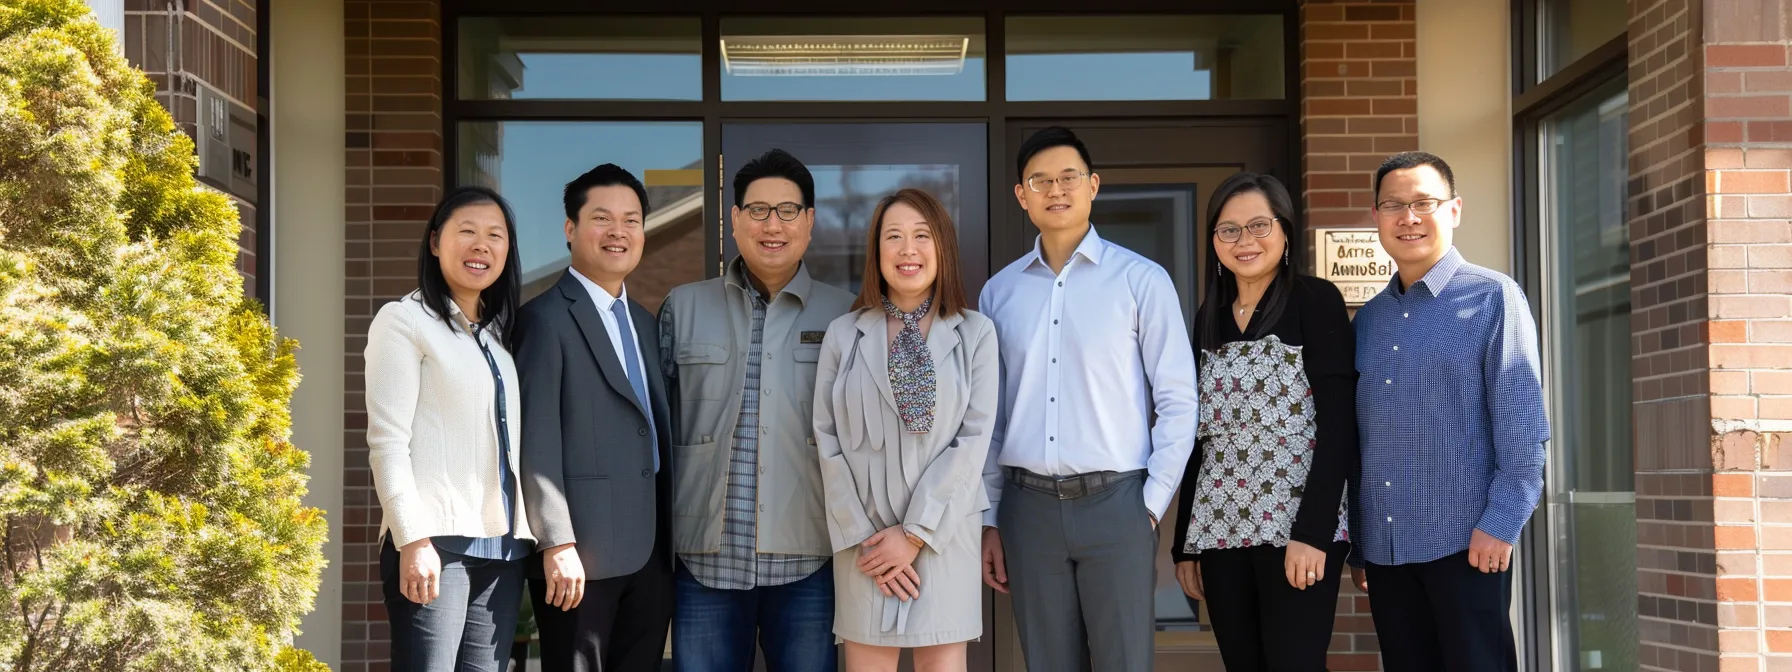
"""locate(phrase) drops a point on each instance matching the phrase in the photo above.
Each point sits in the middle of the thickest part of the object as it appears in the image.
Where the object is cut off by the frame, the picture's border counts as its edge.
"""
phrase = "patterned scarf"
(911, 369)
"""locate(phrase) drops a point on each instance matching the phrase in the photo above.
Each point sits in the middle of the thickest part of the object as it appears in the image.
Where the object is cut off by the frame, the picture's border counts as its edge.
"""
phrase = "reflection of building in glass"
(845, 199)
(674, 236)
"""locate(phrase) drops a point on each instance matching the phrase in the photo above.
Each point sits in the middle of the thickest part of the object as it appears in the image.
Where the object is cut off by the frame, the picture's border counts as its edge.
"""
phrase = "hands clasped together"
(888, 557)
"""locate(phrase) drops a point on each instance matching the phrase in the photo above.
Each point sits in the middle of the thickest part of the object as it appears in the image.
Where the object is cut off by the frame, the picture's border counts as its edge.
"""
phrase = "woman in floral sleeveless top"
(1261, 521)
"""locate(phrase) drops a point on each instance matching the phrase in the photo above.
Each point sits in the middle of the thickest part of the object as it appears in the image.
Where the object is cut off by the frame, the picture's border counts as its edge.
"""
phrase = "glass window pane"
(1574, 28)
(580, 58)
(817, 59)
(530, 162)
(1587, 339)
(1145, 57)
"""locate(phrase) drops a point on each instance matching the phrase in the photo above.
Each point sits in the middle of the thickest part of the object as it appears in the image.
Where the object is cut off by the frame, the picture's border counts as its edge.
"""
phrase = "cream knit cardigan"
(432, 438)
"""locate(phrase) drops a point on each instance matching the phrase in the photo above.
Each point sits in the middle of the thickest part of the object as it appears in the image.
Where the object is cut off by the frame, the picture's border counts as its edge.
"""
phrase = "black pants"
(1260, 621)
(620, 626)
(1443, 615)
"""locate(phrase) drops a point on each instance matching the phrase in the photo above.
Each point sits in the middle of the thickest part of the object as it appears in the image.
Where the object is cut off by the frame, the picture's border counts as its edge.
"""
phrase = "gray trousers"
(1082, 572)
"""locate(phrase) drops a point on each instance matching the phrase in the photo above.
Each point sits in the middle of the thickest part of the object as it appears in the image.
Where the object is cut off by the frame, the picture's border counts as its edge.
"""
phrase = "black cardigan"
(1315, 319)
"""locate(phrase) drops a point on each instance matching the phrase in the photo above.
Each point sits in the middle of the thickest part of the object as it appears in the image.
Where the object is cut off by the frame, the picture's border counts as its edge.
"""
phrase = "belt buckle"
(1058, 487)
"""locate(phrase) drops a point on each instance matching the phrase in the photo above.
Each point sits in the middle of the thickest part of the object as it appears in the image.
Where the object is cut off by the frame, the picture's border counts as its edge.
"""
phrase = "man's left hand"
(1488, 554)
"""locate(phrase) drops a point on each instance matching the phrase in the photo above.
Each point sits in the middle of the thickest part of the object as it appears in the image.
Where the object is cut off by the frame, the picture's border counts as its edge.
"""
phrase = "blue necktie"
(636, 379)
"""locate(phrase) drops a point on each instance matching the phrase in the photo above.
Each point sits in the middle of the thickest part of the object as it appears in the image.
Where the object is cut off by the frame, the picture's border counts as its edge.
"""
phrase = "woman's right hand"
(902, 583)
(1188, 573)
(419, 571)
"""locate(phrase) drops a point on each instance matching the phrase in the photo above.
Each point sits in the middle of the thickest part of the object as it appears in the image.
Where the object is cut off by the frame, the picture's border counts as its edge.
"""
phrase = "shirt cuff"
(1157, 498)
(1501, 526)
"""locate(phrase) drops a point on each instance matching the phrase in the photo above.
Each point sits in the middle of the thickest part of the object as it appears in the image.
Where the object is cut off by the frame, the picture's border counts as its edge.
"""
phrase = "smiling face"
(772, 247)
(471, 247)
(1053, 207)
(609, 235)
(906, 253)
(1415, 241)
(1250, 258)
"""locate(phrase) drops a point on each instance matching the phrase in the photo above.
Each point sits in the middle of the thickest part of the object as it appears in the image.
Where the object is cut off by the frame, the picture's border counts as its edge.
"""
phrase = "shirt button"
(642, 431)
(1388, 483)
(1054, 321)
(1390, 518)
(1390, 381)
(1396, 348)
(1051, 438)
(768, 355)
(1406, 314)
(762, 510)
(646, 473)
(1054, 360)
(1060, 283)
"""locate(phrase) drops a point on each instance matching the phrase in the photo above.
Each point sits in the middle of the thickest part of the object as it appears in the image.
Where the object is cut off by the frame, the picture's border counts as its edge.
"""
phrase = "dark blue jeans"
(469, 627)
(714, 630)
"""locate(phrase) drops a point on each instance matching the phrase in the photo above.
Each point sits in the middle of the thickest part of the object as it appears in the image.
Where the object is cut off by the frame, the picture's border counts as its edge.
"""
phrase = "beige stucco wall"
(1465, 116)
(308, 122)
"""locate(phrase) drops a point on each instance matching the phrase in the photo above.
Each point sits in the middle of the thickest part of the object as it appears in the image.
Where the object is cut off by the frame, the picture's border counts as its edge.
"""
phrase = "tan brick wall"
(1747, 66)
(1359, 87)
(394, 178)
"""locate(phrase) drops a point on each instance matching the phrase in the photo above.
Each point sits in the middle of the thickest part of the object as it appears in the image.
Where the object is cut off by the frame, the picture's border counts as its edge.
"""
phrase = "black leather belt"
(1071, 487)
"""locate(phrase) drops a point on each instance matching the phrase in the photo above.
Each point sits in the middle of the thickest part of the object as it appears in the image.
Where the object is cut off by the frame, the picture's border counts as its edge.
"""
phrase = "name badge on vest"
(811, 337)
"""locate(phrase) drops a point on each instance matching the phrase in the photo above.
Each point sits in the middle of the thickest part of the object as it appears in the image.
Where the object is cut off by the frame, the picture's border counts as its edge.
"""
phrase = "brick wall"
(1676, 610)
(394, 178)
(1748, 150)
(185, 44)
(1359, 87)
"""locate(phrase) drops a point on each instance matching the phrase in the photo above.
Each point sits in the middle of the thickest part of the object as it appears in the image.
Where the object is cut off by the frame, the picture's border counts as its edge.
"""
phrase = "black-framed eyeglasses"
(1259, 228)
(1067, 182)
(787, 210)
(1423, 206)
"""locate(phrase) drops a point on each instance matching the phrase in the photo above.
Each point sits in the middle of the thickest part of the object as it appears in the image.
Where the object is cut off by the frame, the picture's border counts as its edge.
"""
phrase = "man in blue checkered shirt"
(1450, 410)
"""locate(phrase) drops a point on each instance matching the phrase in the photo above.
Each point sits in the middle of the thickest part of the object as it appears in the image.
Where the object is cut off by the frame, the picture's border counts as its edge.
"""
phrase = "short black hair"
(607, 175)
(498, 303)
(775, 163)
(1406, 160)
(1047, 138)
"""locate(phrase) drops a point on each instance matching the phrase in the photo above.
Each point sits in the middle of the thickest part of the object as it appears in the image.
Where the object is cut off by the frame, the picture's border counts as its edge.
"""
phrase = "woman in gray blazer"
(905, 399)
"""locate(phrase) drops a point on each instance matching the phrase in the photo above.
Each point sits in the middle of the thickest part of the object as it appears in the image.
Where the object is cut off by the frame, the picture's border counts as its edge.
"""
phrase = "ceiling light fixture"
(843, 55)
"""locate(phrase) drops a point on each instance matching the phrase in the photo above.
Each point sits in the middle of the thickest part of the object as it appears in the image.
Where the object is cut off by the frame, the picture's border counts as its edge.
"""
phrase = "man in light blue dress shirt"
(1079, 473)
(1450, 410)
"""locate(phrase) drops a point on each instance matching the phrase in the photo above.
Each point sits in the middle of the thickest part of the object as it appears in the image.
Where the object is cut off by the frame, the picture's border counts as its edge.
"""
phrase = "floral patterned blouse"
(1277, 429)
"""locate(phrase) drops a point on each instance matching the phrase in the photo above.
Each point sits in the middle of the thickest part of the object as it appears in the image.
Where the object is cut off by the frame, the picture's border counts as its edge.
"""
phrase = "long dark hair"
(1222, 287)
(498, 303)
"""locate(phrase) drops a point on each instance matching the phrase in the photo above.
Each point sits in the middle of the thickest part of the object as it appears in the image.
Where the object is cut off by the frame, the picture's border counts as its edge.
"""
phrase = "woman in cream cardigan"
(442, 438)
(905, 398)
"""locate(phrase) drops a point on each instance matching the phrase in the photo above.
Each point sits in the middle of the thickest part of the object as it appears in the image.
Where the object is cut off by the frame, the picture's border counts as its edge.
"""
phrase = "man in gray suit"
(595, 461)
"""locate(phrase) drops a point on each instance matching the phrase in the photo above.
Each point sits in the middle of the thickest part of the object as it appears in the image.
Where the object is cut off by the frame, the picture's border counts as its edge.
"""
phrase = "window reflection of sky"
(539, 158)
(549, 76)
(1168, 75)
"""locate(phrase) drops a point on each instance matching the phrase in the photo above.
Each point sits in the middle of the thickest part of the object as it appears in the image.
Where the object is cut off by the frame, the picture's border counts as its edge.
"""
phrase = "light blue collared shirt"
(1088, 355)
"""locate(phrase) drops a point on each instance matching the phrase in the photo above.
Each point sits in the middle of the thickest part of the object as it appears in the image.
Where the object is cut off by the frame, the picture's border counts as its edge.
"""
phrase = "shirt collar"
(1438, 277)
(599, 295)
(1091, 248)
(798, 287)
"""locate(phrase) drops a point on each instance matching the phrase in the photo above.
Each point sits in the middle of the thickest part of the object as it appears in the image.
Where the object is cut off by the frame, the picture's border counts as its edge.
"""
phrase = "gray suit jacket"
(587, 460)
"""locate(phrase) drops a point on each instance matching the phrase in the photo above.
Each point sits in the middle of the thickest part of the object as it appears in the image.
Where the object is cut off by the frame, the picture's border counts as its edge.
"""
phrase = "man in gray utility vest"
(740, 352)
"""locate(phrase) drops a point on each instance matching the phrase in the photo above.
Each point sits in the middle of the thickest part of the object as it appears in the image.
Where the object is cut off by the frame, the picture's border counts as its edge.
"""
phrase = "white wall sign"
(1354, 261)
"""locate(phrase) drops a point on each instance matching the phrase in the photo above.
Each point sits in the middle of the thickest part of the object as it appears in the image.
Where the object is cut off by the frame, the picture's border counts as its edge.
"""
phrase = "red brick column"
(1359, 87)
(1747, 113)
(394, 177)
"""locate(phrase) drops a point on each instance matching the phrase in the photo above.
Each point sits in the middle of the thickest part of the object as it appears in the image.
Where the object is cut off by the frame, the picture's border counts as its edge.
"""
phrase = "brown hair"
(948, 284)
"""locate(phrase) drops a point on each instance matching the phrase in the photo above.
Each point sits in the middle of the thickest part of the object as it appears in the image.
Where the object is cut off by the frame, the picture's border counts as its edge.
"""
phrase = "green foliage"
(150, 514)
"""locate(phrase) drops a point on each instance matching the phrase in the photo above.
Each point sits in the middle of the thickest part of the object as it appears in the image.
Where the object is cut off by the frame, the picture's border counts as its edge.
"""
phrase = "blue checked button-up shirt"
(1450, 410)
